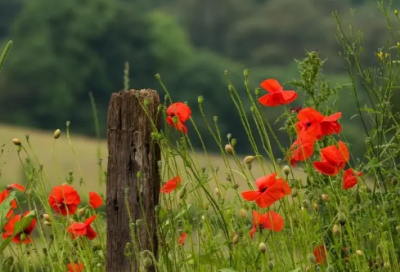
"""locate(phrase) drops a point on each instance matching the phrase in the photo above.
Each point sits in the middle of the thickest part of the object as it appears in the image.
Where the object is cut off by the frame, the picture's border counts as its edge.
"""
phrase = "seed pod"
(147, 262)
(16, 141)
(248, 159)
(243, 213)
(46, 217)
(342, 218)
(57, 134)
(262, 247)
(229, 149)
(81, 212)
(335, 229)
(286, 170)
(325, 197)
(359, 252)
(235, 239)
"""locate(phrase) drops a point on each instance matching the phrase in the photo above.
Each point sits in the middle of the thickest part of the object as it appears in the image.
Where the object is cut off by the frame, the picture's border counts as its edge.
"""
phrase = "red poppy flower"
(277, 96)
(83, 229)
(3, 196)
(75, 267)
(320, 254)
(333, 159)
(350, 179)
(23, 236)
(95, 200)
(171, 185)
(270, 220)
(315, 123)
(16, 186)
(270, 189)
(64, 199)
(182, 238)
(302, 148)
(182, 113)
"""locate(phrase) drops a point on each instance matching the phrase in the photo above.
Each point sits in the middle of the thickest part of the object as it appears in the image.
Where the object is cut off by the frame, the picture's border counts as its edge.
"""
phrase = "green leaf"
(4, 54)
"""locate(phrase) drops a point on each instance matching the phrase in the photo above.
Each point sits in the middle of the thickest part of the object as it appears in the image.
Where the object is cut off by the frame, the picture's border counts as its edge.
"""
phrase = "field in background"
(86, 152)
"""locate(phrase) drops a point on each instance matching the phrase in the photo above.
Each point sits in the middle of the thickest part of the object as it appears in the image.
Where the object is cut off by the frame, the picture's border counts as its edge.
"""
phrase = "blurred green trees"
(63, 50)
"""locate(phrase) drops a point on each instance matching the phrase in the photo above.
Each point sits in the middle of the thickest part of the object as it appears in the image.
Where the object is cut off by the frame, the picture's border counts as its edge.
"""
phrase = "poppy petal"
(16, 186)
(171, 185)
(326, 168)
(95, 200)
(271, 85)
(250, 195)
(274, 221)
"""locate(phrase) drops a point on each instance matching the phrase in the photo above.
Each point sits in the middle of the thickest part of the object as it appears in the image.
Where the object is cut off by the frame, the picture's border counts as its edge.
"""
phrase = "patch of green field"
(86, 153)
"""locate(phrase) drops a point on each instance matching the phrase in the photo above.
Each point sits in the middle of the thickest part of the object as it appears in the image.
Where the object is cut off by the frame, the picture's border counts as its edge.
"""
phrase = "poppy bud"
(243, 213)
(47, 223)
(46, 217)
(146, 102)
(294, 192)
(262, 247)
(200, 99)
(359, 252)
(139, 174)
(203, 217)
(57, 134)
(16, 141)
(394, 181)
(246, 72)
(396, 12)
(235, 239)
(182, 192)
(279, 161)
(157, 76)
(229, 136)
(22, 236)
(342, 219)
(315, 206)
(270, 265)
(230, 88)
(217, 192)
(257, 91)
(81, 212)
(325, 197)
(147, 262)
(138, 223)
(311, 258)
(335, 229)
(226, 72)
(215, 118)
(229, 149)
(286, 170)
(71, 221)
(248, 159)
(386, 265)
(234, 142)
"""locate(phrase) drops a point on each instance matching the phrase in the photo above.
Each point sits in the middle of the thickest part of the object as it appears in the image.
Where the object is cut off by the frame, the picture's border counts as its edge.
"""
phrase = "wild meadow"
(312, 206)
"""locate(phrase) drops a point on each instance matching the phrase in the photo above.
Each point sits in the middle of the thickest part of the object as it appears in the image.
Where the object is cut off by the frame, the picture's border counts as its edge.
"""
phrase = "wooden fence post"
(131, 151)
